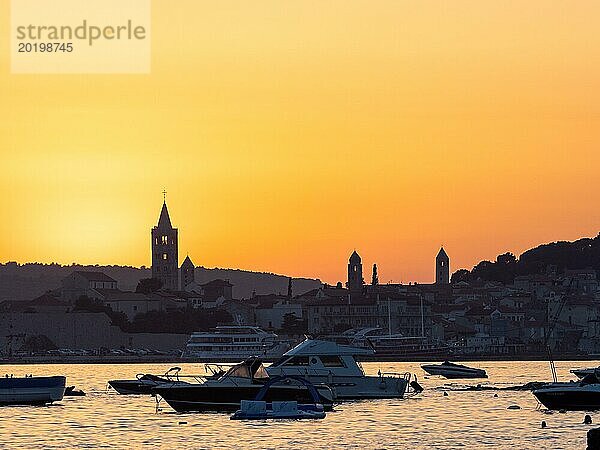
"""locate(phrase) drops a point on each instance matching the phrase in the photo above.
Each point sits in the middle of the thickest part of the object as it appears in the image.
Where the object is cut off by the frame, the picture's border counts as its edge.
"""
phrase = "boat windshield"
(248, 369)
(590, 378)
(360, 366)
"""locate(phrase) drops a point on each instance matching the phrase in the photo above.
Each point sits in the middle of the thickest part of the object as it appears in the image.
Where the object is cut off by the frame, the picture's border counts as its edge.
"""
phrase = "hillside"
(27, 281)
(554, 257)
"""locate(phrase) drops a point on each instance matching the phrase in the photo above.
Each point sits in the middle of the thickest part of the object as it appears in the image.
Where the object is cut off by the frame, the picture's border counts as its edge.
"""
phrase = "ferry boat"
(235, 343)
(393, 345)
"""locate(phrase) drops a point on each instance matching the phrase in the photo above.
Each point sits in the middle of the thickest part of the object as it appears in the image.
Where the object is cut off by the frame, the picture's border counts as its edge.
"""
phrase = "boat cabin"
(316, 357)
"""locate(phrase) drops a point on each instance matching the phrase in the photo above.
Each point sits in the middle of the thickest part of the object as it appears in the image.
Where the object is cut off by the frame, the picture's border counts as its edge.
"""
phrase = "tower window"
(164, 256)
(164, 239)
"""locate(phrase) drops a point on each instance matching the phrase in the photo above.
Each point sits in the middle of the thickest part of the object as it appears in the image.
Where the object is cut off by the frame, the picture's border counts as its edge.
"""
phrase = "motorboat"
(234, 343)
(243, 381)
(144, 382)
(260, 409)
(30, 390)
(582, 395)
(70, 391)
(581, 373)
(335, 365)
(453, 371)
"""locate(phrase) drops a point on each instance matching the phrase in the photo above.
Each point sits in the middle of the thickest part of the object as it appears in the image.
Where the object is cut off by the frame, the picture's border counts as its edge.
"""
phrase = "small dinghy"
(453, 371)
(31, 390)
(258, 409)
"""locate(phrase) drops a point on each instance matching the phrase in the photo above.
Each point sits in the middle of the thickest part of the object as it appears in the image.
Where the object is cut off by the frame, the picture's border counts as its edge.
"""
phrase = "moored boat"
(581, 373)
(234, 343)
(335, 365)
(31, 390)
(144, 383)
(453, 371)
(583, 395)
(241, 382)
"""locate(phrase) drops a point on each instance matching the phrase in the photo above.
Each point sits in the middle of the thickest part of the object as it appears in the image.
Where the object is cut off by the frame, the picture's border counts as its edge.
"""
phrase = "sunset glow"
(288, 134)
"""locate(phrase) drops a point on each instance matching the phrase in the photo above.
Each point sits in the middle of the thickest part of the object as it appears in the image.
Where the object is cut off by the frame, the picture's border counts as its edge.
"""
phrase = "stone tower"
(442, 267)
(164, 251)
(187, 272)
(355, 276)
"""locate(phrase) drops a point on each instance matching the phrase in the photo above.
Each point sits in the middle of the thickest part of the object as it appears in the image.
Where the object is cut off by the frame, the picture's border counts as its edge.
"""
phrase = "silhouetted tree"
(85, 303)
(557, 256)
(460, 275)
(375, 278)
(292, 324)
(148, 285)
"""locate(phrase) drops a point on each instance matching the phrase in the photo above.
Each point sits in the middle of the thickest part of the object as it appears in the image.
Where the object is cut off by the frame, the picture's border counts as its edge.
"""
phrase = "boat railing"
(306, 371)
(406, 375)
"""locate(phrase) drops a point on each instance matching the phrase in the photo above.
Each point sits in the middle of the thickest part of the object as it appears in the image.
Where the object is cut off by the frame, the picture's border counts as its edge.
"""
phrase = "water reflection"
(461, 419)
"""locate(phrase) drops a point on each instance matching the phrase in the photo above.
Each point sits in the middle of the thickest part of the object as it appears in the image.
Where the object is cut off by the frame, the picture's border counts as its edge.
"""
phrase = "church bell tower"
(164, 250)
(355, 276)
(442, 267)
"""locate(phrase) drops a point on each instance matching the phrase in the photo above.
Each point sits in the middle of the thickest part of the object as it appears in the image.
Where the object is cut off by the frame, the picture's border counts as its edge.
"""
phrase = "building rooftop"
(95, 276)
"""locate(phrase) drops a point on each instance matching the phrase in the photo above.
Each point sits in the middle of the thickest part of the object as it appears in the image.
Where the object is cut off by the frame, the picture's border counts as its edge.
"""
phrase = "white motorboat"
(453, 371)
(31, 390)
(234, 343)
(335, 365)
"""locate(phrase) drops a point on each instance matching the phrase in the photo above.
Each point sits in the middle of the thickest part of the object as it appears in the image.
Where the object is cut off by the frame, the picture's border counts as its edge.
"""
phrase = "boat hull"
(131, 387)
(227, 398)
(569, 399)
(354, 387)
(136, 387)
(31, 391)
(454, 373)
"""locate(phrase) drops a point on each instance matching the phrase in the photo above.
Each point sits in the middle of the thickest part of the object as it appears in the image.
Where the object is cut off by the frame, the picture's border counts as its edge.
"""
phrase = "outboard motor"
(417, 388)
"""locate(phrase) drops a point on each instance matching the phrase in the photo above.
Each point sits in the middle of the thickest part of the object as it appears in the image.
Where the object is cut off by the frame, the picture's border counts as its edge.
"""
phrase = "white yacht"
(335, 365)
(234, 343)
(393, 345)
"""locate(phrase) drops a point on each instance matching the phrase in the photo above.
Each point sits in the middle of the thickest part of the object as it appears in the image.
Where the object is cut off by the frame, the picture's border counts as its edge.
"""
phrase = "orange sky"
(289, 133)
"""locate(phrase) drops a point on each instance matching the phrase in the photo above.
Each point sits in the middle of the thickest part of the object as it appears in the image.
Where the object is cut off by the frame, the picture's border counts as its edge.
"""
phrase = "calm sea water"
(460, 420)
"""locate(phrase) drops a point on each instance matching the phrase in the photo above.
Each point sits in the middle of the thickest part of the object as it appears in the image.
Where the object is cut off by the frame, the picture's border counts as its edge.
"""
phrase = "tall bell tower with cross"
(165, 258)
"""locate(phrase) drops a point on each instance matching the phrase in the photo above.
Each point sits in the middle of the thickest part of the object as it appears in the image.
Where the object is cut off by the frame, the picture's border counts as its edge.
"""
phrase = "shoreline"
(43, 360)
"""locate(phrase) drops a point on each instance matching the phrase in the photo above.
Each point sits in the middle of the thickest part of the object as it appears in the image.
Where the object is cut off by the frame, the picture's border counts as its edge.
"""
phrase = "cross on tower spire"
(164, 196)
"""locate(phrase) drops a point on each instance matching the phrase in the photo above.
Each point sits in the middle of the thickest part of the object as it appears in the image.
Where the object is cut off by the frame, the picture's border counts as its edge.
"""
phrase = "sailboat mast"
(389, 318)
(422, 318)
